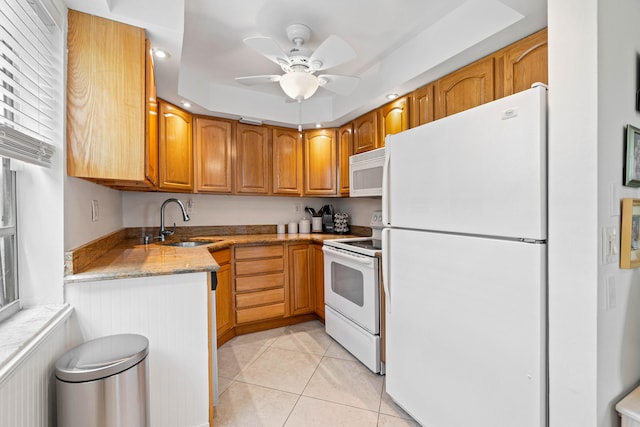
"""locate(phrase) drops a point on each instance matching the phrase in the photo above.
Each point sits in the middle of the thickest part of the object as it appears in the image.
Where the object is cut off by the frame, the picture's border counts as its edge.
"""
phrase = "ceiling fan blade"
(331, 53)
(342, 85)
(258, 80)
(268, 48)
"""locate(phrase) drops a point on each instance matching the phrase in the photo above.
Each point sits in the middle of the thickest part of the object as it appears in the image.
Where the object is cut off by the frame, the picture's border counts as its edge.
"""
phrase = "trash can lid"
(102, 357)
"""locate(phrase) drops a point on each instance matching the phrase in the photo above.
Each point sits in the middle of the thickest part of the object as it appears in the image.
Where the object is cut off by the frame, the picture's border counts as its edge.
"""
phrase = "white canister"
(280, 228)
(316, 224)
(304, 226)
(293, 227)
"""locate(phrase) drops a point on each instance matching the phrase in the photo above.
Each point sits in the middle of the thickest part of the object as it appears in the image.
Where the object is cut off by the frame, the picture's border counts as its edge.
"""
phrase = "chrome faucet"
(163, 232)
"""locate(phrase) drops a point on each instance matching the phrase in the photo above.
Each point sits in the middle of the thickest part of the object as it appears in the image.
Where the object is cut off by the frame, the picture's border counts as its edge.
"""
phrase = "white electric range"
(352, 293)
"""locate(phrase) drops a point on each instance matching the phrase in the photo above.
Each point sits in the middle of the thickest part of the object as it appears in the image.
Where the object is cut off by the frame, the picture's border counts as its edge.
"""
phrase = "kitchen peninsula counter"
(124, 255)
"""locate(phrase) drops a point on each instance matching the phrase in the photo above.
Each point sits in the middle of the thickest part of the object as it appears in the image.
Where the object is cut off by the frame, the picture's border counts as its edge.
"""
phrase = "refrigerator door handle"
(386, 284)
(385, 187)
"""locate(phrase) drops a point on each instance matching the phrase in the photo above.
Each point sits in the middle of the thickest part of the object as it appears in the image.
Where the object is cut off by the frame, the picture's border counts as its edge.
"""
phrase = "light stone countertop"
(129, 258)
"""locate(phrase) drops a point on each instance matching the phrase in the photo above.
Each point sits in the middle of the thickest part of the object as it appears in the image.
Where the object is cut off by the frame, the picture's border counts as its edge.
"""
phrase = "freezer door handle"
(386, 254)
(385, 187)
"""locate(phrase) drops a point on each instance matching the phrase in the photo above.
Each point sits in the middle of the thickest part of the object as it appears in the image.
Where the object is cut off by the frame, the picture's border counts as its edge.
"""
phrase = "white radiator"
(27, 394)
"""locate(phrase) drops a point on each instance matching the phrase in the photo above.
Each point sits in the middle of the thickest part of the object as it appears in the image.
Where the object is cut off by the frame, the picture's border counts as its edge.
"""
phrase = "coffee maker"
(327, 218)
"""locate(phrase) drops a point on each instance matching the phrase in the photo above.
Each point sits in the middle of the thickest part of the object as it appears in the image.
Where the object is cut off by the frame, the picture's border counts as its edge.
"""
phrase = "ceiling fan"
(300, 64)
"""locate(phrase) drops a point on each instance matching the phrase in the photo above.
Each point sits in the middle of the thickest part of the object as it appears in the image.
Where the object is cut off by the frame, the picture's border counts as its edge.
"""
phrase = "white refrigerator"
(464, 266)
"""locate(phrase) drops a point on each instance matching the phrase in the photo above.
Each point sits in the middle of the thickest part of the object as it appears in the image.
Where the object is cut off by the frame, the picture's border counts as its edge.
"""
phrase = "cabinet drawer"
(251, 299)
(222, 257)
(258, 266)
(264, 281)
(260, 313)
(251, 252)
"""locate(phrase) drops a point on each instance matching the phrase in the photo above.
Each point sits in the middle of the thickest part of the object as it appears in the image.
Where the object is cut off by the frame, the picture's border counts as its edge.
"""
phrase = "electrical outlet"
(297, 207)
(94, 211)
(191, 206)
(610, 297)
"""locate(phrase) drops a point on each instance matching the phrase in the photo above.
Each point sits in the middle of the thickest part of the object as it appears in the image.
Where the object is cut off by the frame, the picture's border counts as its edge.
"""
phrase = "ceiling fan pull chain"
(300, 115)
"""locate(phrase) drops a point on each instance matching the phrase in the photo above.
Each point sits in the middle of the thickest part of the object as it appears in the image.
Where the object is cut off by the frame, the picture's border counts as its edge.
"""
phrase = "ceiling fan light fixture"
(299, 85)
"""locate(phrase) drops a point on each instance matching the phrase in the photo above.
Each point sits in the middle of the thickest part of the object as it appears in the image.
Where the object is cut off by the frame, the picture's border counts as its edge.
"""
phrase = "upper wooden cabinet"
(394, 118)
(252, 161)
(286, 162)
(521, 64)
(345, 143)
(107, 109)
(175, 148)
(320, 162)
(365, 132)
(213, 155)
(466, 88)
(423, 106)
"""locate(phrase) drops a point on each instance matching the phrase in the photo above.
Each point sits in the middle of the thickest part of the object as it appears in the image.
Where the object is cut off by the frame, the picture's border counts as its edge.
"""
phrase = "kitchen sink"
(191, 243)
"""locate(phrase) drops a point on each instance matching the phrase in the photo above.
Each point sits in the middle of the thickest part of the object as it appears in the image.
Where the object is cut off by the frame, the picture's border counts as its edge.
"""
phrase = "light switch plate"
(610, 244)
(94, 211)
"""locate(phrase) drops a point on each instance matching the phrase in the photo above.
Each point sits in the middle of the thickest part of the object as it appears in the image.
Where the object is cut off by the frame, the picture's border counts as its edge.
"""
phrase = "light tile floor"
(299, 376)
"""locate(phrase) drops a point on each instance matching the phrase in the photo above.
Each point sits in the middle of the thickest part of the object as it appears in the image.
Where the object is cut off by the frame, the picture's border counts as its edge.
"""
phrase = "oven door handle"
(360, 259)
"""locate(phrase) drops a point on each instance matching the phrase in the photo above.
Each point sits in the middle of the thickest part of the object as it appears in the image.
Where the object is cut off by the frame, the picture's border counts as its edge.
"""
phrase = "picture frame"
(630, 234)
(632, 163)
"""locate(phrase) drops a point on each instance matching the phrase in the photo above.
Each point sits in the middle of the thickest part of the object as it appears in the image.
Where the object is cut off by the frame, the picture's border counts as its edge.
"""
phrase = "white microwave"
(365, 173)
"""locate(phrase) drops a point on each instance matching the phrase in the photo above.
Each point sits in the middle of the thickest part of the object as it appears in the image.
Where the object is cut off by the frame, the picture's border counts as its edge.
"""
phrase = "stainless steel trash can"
(103, 383)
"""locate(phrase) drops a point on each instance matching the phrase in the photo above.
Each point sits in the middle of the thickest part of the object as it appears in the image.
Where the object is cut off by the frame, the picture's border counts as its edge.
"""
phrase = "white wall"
(143, 209)
(594, 346)
(618, 328)
(78, 226)
(573, 227)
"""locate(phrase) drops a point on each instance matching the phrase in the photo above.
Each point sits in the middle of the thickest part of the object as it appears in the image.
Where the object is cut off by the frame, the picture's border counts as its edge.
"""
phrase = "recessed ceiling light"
(391, 96)
(186, 104)
(160, 53)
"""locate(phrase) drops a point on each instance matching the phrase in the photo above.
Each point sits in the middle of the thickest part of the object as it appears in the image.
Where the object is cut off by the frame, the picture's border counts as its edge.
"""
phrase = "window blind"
(30, 81)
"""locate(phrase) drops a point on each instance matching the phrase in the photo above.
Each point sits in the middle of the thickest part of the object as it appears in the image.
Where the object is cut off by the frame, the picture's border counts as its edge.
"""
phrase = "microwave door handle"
(386, 283)
(386, 203)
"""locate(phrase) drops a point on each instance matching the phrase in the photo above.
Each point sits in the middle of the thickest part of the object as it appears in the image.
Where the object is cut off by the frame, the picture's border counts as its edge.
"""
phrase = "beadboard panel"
(27, 395)
(171, 311)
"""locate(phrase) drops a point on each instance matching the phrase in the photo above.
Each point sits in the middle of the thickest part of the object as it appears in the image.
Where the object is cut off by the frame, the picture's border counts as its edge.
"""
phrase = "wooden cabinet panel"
(252, 299)
(365, 133)
(317, 278)
(287, 162)
(301, 293)
(466, 88)
(264, 312)
(151, 126)
(224, 295)
(175, 148)
(213, 157)
(320, 163)
(249, 252)
(262, 281)
(259, 266)
(107, 117)
(394, 118)
(522, 64)
(345, 142)
(423, 106)
(252, 161)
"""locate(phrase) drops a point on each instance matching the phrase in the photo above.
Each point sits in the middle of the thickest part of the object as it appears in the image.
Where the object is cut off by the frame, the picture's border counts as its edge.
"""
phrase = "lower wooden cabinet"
(259, 283)
(224, 293)
(317, 277)
(301, 290)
